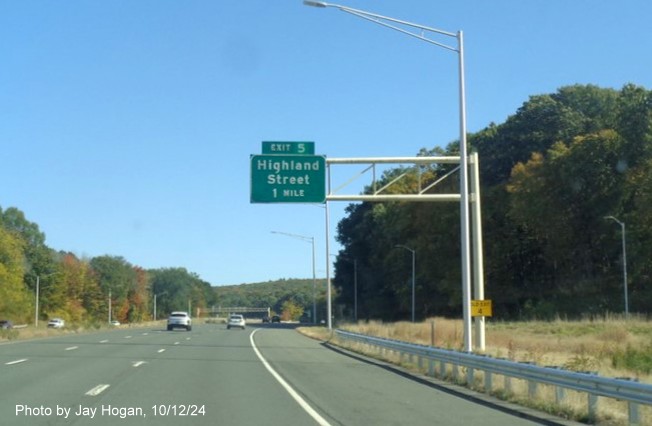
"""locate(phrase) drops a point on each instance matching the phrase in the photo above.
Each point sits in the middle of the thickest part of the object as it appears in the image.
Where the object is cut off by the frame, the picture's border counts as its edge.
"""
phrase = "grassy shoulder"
(42, 331)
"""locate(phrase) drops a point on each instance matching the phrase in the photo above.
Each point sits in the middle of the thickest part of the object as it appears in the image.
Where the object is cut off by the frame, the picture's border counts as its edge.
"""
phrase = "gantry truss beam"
(378, 194)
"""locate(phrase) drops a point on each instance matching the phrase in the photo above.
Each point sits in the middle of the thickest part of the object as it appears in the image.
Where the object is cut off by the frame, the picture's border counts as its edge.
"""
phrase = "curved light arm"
(381, 20)
(300, 237)
(405, 247)
(615, 220)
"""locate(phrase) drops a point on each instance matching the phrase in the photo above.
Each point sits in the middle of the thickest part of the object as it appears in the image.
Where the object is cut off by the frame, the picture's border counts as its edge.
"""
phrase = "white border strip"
(307, 408)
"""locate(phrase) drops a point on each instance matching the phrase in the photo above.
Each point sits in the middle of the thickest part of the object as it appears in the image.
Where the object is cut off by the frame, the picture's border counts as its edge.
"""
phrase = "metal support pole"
(414, 267)
(478, 264)
(413, 273)
(355, 289)
(328, 259)
(329, 307)
(624, 244)
(314, 284)
(38, 283)
(625, 270)
(464, 203)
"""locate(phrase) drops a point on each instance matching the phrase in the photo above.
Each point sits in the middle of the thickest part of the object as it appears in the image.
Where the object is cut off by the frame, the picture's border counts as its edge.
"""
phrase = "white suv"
(235, 320)
(179, 319)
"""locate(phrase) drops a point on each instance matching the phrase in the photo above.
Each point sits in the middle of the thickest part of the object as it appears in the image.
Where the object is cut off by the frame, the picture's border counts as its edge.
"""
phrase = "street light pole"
(38, 282)
(622, 229)
(414, 264)
(355, 290)
(355, 284)
(464, 187)
(311, 240)
(38, 290)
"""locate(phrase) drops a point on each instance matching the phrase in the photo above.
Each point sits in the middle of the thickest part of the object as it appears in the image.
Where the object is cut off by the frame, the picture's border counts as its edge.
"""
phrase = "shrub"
(636, 360)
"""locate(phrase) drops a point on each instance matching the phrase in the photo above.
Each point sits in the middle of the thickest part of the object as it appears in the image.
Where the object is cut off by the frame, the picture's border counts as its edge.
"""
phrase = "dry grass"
(31, 332)
(588, 345)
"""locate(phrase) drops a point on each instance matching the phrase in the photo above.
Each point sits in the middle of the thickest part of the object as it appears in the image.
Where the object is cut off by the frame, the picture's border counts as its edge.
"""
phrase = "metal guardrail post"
(633, 413)
(488, 382)
(470, 379)
(560, 395)
(593, 406)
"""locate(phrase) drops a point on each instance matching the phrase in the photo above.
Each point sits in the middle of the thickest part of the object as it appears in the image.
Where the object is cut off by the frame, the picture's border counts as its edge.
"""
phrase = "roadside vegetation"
(78, 290)
(551, 174)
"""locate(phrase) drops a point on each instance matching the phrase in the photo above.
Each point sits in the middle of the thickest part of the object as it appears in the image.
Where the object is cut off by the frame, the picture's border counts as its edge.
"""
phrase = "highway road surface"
(269, 375)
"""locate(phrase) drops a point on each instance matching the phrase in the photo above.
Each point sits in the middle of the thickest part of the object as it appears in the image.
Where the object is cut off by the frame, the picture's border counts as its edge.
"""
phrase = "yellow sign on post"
(481, 308)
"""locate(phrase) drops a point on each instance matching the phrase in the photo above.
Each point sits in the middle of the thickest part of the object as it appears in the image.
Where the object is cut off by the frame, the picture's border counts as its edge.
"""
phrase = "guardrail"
(594, 386)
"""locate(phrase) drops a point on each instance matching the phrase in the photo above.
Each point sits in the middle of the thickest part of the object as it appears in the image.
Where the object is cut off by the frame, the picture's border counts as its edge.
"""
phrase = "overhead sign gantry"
(289, 172)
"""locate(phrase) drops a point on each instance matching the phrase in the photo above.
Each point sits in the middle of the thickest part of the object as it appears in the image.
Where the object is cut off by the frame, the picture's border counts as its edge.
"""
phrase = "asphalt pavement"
(263, 375)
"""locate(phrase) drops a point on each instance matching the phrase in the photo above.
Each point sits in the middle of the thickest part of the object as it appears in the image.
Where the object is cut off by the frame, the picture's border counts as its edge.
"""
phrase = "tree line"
(292, 299)
(551, 175)
(81, 290)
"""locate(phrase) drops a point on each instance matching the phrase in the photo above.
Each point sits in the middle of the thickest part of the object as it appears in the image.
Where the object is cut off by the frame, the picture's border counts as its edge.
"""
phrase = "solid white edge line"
(18, 361)
(97, 390)
(307, 408)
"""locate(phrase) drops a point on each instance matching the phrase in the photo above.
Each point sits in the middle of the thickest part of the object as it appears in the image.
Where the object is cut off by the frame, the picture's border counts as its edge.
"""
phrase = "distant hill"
(273, 294)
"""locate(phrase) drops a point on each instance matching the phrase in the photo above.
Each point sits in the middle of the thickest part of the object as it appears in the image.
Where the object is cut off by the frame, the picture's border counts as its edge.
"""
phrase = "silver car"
(236, 320)
(179, 319)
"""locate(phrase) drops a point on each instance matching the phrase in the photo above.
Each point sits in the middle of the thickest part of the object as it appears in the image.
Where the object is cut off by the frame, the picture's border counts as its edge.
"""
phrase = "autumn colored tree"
(549, 174)
(15, 301)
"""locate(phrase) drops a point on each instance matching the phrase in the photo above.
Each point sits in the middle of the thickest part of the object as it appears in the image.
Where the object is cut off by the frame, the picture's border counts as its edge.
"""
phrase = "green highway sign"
(288, 178)
(289, 148)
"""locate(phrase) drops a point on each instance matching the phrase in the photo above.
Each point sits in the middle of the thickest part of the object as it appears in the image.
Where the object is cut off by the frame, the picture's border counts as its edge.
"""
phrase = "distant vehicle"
(6, 324)
(56, 323)
(115, 322)
(276, 318)
(235, 320)
(266, 318)
(179, 319)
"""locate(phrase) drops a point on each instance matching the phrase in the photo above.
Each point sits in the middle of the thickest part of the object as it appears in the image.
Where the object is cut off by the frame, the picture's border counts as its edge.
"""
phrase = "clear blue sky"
(126, 126)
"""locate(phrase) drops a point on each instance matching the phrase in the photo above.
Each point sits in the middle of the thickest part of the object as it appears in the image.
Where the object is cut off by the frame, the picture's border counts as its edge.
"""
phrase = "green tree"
(549, 174)
(176, 289)
(116, 278)
(291, 311)
(15, 301)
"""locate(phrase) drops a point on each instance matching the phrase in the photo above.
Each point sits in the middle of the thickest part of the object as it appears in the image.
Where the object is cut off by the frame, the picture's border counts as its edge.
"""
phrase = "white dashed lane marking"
(97, 390)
